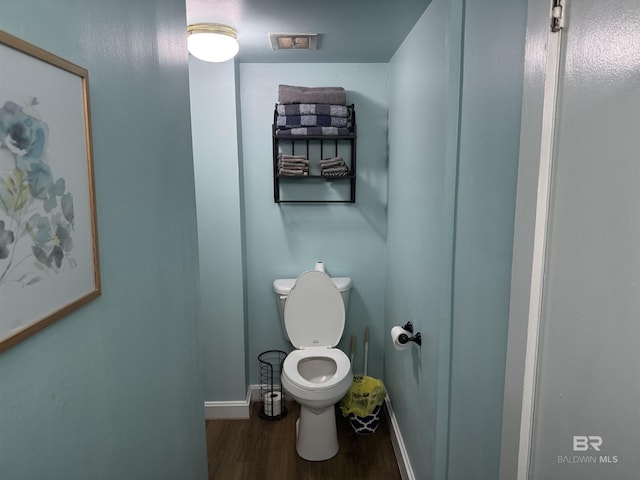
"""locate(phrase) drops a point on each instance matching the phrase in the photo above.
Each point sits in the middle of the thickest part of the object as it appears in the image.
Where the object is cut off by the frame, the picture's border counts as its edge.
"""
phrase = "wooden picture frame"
(49, 263)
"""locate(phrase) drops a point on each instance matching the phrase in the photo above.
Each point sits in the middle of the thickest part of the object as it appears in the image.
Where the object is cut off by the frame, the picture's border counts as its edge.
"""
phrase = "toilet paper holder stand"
(404, 338)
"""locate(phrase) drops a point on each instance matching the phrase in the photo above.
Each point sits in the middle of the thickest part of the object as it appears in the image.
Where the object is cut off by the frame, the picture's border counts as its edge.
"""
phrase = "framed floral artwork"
(48, 236)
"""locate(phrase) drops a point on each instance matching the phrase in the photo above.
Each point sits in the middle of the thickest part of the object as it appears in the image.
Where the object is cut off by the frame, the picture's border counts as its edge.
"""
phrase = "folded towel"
(287, 160)
(314, 131)
(335, 171)
(294, 160)
(321, 95)
(335, 163)
(310, 121)
(293, 163)
(313, 109)
(340, 168)
(332, 160)
(293, 166)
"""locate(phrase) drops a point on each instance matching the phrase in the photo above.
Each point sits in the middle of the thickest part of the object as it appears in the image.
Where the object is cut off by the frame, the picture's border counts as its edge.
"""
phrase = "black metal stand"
(272, 396)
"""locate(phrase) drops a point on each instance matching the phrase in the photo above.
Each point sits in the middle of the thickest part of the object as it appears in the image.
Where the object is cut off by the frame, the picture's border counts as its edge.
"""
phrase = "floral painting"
(48, 244)
(36, 206)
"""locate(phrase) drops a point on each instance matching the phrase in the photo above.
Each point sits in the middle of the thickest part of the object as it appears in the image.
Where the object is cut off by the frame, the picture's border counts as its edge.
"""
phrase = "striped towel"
(289, 121)
(313, 131)
(313, 109)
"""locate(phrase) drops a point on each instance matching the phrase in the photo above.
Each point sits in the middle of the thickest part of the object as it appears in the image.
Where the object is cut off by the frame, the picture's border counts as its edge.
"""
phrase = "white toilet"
(316, 374)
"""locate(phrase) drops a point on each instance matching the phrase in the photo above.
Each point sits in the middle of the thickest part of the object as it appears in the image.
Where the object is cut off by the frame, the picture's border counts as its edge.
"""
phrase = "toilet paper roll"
(395, 336)
(272, 402)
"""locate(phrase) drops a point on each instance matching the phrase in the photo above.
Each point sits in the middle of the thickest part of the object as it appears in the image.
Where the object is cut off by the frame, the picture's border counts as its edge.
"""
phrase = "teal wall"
(217, 173)
(428, 241)
(283, 240)
(423, 112)
(455, 103)
(236, 214)
(493, 66)
(114, 390)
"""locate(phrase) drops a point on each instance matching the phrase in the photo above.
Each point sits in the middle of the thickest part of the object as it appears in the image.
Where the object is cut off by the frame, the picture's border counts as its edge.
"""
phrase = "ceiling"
(353, 31)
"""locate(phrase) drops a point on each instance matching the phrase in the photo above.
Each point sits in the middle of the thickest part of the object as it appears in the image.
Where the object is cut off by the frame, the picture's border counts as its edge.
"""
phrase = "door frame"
(542, 57)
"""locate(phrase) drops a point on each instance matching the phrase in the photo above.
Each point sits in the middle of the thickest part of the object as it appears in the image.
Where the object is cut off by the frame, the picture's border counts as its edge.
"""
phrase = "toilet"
(317, 375)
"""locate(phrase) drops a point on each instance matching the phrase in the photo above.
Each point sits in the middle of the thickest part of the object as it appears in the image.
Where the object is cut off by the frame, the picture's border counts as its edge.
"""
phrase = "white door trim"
(540, 88)
(541, 225)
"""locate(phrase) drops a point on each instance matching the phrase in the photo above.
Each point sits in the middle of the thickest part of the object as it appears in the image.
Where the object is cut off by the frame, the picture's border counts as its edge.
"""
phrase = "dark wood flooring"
(258, 449)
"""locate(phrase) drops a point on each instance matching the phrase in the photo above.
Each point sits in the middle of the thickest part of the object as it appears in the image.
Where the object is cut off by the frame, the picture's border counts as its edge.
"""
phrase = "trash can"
(363, 404)
(272, 396)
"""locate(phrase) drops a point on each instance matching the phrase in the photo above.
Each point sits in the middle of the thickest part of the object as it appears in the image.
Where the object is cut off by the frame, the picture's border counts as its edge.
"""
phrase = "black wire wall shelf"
(315, 148)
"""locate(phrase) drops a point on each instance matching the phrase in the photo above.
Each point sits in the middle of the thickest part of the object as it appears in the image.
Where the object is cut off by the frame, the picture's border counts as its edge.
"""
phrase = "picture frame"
(49, 262)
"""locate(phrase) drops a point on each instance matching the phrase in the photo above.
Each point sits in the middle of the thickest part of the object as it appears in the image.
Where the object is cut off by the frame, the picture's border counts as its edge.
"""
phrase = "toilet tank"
(283, 286)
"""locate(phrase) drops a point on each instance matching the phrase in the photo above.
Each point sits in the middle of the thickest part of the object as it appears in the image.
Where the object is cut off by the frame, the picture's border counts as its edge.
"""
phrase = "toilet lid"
(314, 311)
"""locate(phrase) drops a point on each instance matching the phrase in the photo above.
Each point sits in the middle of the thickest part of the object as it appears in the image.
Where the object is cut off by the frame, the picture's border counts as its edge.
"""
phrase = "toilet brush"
(366, 349)
(357, 377)
(352, 351)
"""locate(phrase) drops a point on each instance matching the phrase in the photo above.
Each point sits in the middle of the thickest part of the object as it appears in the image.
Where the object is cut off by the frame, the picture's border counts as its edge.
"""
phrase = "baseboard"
(229, 409)
(255, 389)
(402, 456)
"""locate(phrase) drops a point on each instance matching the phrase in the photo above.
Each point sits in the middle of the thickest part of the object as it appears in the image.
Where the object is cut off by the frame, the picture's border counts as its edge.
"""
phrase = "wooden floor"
(258, 449)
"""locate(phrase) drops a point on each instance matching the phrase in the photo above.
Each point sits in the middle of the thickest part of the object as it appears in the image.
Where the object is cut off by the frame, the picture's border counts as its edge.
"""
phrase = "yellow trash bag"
(364, 395)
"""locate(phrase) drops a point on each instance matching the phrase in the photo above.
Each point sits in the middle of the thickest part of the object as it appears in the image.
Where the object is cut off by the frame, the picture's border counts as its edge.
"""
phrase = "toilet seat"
(290, 367)
(314, 311)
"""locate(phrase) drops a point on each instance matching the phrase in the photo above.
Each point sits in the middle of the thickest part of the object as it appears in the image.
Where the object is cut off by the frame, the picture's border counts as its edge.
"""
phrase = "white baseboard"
(402, 456)
(239, 409)
(229, 409)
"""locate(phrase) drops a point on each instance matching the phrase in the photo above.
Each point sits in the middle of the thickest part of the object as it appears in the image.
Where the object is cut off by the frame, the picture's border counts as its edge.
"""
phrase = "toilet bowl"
(316, 374)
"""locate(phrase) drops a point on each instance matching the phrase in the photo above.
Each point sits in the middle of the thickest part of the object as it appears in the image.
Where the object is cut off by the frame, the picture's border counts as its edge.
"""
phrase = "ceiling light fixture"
(212, 42)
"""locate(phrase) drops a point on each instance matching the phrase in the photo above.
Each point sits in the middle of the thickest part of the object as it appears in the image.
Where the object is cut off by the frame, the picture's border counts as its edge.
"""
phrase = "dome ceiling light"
(212, 42)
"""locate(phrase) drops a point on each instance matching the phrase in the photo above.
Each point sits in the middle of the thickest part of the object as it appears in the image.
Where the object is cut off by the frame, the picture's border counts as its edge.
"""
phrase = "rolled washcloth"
(292, 165)
(313, 109)
(333, 167)
(283, 164)
(321, 95)
(285, 157)
(331, 162)
(293, 172)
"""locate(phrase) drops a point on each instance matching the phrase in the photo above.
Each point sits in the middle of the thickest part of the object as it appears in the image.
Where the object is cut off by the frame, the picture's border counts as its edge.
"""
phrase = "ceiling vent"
(293, 41)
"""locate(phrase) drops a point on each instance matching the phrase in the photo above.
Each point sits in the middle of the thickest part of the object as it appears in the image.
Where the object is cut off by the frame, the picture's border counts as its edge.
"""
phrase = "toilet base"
(316, 434)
